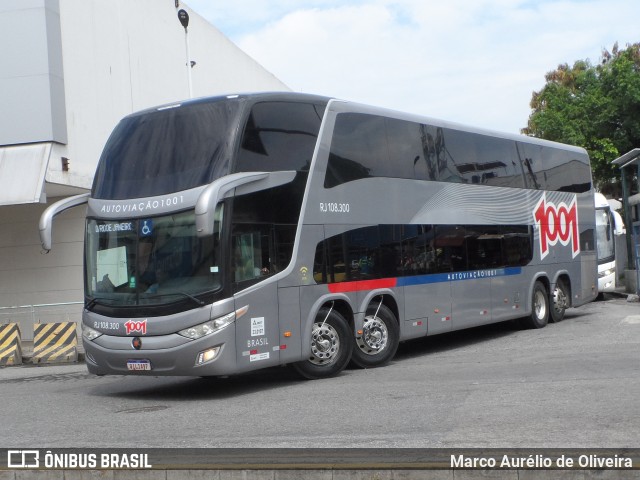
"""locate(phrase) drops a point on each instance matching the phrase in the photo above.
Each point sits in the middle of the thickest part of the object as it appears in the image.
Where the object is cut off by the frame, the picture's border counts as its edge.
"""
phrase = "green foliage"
(593, 106)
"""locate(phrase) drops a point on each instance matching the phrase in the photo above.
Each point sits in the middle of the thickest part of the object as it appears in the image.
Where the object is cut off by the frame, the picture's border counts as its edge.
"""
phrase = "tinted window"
(336, 252)
(411, 150)
(531, 159)
(484, 247)
(418, 251)
(274, 205)
(390, 253)
(564, 172)
(363, 253)
(358, 149)
(371, 146)
(279, 136)
(548, 168)
(480, 159)
(517, 245)
(264, 225)
(166, 151)
(404, 250)
(451, 254)
(259, 251)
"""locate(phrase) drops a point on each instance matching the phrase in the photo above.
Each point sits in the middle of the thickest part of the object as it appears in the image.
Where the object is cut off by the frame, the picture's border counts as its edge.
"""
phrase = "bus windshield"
(604, 236)
(150, 262)
(168, 150)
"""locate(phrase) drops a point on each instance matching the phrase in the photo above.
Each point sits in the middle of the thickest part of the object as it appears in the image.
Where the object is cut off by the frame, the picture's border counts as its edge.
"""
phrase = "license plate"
(138, 365)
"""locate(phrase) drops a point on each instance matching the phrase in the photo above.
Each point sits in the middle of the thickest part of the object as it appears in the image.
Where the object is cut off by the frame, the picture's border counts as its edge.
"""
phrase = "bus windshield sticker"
(114, 227)
(146, 228)
(256, 357)
(257, 327)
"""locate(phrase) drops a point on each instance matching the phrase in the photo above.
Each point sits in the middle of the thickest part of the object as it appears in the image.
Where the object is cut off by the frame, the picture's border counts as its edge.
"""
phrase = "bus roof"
(255, 97)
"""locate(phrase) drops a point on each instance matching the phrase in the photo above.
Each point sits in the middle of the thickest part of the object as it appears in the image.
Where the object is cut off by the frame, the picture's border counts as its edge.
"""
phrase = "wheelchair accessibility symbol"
(146, 228)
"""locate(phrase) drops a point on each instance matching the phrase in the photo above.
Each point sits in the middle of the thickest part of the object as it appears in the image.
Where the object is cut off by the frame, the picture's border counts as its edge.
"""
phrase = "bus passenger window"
(451, 255)
(418, 252)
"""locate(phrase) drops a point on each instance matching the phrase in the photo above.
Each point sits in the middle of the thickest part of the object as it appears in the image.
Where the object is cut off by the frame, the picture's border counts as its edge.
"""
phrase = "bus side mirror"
(46, 219)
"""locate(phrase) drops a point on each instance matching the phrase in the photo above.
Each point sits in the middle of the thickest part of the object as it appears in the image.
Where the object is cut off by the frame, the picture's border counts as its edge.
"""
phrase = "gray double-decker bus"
(239, 232)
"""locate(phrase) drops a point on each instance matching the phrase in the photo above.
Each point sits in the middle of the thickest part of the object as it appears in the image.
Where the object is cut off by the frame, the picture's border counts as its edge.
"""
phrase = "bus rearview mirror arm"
(243, 183)
(46, 219)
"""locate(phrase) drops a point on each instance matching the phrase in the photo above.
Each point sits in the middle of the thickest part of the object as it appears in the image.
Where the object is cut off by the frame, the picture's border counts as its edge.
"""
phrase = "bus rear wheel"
(331, 346)
(539, 307)
(559, 301)
(379, 340)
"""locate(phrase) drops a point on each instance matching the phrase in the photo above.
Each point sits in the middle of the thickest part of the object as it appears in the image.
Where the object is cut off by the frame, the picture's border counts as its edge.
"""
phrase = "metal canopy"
(629, 158)
(22, 173)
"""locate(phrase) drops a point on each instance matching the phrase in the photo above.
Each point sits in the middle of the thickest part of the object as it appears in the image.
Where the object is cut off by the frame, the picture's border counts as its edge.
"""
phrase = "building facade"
(72, 70)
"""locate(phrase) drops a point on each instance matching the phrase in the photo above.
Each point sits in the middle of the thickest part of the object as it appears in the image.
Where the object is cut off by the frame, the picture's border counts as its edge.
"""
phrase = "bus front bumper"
(167, 355)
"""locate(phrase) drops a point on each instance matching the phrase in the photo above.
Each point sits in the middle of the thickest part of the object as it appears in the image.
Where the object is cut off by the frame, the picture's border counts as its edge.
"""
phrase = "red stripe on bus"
(360, 285)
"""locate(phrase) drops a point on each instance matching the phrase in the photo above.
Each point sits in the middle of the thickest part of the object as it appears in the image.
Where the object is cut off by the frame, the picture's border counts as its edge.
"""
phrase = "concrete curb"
(27, 355)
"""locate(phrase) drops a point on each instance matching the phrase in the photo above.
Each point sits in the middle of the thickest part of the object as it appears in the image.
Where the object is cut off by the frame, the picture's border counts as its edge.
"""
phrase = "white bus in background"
(609, 225)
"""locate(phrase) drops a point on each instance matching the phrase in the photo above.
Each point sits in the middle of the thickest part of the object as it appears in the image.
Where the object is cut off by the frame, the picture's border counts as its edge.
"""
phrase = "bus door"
(508, 296)
(427, 294)
(257, 331)
(466, 256)
(510, 287)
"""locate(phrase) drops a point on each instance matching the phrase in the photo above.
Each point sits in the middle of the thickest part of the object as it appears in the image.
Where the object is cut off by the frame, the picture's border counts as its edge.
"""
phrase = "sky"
(475, 62)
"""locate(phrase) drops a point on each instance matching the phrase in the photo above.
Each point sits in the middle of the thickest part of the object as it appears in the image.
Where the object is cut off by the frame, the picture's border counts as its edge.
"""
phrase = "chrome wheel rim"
(559, 300)
(325, 344)
(540, 305)
(375, 336)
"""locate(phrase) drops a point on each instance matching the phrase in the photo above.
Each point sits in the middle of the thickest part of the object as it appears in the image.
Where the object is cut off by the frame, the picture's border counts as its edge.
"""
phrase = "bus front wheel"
(331, 346)
(379, 340)
(559, 301)
(539, 307)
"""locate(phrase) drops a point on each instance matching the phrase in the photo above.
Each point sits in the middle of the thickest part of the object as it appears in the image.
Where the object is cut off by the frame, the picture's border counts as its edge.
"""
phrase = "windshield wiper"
(94, 301)
(199, 302)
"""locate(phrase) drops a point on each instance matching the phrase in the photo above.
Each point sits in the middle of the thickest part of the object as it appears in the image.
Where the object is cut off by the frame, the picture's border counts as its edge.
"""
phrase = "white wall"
(121, 56)
(31, 78)
(28, 277)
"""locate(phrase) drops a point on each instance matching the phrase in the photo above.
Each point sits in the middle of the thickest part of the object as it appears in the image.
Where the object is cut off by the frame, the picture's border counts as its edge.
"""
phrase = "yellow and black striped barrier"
(10, 345)
(55, 343)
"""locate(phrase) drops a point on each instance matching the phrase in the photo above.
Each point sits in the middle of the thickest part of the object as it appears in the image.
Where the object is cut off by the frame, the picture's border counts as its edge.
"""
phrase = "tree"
(593, 106)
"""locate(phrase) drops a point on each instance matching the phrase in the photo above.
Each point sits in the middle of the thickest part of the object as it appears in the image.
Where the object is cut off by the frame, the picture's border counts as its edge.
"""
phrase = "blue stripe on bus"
(361, 285)
(458, 276)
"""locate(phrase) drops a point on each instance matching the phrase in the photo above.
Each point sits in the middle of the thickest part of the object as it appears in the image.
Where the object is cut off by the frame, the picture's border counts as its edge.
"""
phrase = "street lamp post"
(183, 16)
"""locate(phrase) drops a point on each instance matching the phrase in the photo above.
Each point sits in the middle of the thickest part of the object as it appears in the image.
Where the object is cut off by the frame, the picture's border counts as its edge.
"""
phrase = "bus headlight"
(212, 326)
(605, 273)
(89, 333)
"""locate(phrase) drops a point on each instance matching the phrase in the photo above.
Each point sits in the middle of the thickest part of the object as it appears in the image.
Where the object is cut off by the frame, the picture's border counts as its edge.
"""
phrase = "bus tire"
(379, 340)
(559, 301)
(331, 346)
(539, 307)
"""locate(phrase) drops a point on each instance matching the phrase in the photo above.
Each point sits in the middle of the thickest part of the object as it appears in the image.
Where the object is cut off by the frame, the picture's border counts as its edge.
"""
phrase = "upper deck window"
(365, 145)
(167, 150)
(279, 136)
